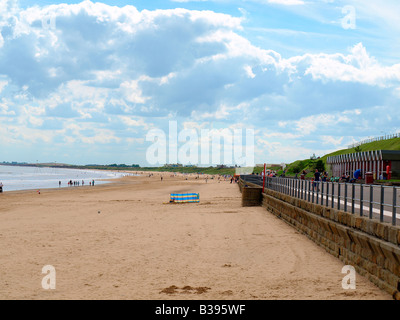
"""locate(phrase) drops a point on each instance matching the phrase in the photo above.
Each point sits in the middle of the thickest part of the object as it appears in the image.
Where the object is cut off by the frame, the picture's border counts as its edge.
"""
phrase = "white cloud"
(356, 67)
(330, 140)
(132, 92)
(131, 122)
(104, 74)
(287, 2)
(101, 136)
(2, 85)
(310, 124)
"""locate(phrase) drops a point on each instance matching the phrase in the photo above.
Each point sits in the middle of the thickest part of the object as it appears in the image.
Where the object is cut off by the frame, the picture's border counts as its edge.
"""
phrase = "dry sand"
(124, 241)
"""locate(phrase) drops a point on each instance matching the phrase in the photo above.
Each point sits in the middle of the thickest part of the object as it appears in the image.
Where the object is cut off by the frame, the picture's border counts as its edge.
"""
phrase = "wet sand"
(125, 241)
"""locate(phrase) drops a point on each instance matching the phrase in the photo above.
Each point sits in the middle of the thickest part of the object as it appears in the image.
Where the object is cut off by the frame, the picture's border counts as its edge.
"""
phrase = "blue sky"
(84, 82)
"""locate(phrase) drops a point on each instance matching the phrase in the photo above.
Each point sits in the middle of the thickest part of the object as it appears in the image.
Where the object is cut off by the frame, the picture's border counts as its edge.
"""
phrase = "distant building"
(378, 162)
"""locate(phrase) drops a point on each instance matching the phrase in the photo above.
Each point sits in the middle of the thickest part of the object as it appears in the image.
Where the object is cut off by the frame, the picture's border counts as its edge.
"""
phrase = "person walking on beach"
(92, 183)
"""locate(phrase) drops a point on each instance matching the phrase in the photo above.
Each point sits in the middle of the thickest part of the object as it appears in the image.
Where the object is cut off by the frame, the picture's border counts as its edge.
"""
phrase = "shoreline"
(102, 180)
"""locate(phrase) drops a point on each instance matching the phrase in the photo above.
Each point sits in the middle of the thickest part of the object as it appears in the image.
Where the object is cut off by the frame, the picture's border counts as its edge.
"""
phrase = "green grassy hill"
(309, 164)
(390, 144)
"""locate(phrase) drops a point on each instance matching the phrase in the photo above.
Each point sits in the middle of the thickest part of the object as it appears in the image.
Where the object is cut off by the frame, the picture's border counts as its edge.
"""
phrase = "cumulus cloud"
(358, 67)
(92, 73)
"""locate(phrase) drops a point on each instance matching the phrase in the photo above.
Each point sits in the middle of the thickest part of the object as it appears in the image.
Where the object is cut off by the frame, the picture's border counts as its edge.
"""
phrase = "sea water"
(26, 178)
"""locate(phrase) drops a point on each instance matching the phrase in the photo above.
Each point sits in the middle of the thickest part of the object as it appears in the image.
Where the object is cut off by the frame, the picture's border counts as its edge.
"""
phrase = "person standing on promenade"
(317, 175)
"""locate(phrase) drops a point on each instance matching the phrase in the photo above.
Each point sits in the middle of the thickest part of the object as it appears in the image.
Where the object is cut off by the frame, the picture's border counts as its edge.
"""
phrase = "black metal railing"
(366, 200)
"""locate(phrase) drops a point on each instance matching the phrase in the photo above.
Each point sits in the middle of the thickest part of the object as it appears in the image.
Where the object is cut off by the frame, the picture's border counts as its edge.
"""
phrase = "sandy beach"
(123, 240)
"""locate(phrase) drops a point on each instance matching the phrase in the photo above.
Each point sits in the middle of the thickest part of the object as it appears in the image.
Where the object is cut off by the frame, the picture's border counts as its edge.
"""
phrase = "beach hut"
(381, 163)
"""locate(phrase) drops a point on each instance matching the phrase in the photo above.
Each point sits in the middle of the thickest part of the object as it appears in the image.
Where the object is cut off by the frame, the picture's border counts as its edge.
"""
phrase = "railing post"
(309, 191)
(353, 191)
(283, 186)
(333, 195)
(338, 197)
(312, 201)
(345, 197)
(287, 186)
(394, 206)
(322, 193)
(382, 204)
(297, 190)
(361, 200)
(302, 190)
(327, 194)
(371, 198)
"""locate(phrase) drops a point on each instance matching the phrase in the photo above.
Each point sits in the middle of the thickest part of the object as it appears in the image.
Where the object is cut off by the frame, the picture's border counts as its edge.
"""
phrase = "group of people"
(76, 183)
(344, 178)
(318, 176)
(234, 179)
